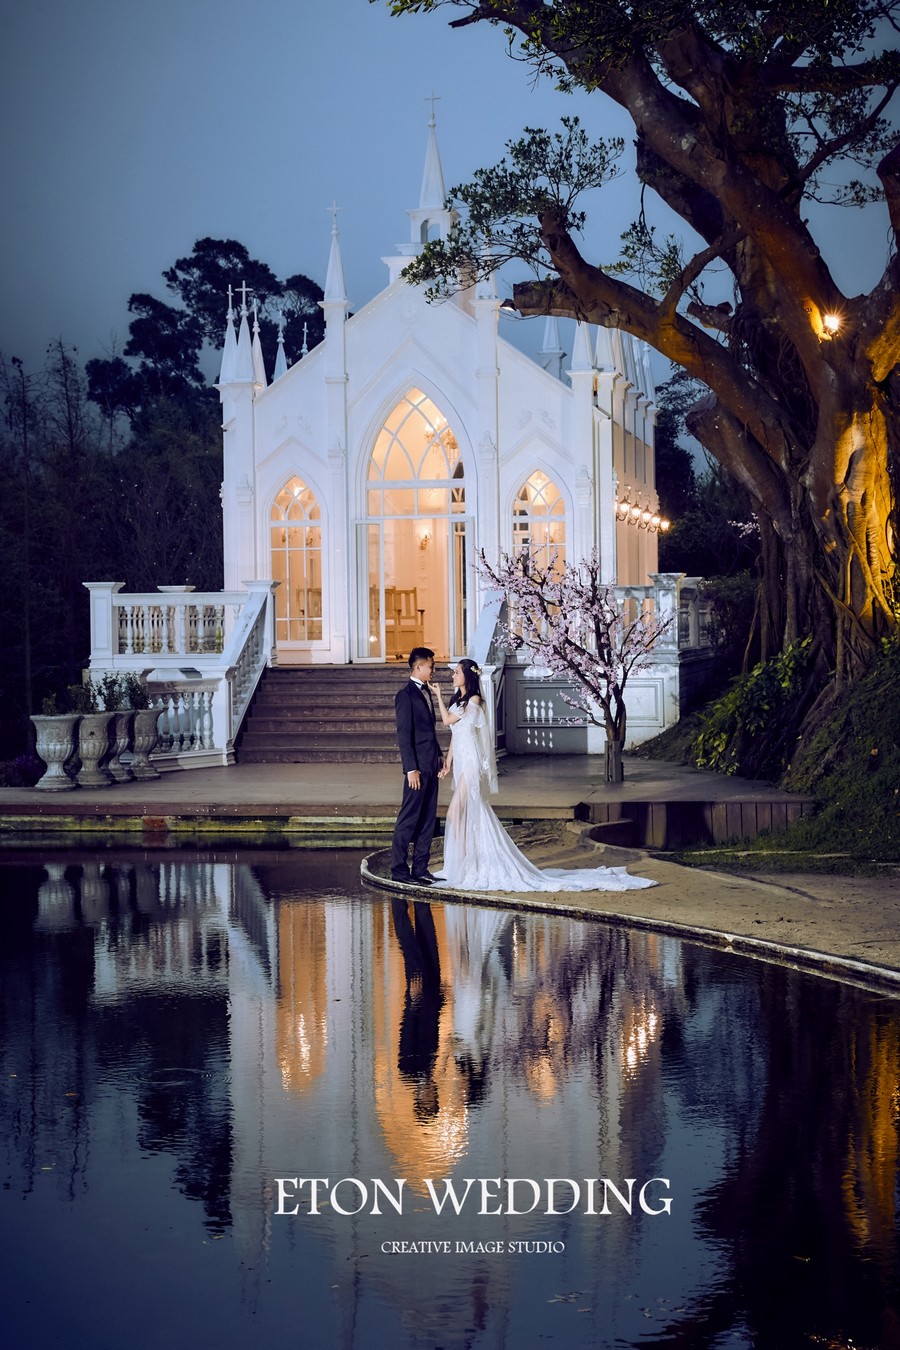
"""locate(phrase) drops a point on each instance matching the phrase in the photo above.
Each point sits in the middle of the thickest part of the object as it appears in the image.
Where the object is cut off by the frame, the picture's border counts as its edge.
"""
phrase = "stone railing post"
(665, 600)
(256, 587)
(104, 622)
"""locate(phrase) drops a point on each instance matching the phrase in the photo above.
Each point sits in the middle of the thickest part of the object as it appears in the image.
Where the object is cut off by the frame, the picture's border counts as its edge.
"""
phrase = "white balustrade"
(186, 719)
(167, 627)
(201, 654)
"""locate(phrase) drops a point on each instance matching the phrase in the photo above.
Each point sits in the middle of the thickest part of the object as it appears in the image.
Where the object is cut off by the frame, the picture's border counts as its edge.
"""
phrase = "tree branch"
(780, 78)
(889, 173)
(591, 294)
(828, 149)
(692, 271)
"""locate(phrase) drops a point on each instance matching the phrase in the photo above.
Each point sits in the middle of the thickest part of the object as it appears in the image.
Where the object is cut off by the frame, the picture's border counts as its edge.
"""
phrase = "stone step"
(344, 714)
(398, 674)
(274, 737)
(322, 711)
(322, 714)
(332, 706)
(332, 755)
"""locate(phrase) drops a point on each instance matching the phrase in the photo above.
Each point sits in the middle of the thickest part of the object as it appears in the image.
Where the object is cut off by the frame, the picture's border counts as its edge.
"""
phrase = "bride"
(478, 853)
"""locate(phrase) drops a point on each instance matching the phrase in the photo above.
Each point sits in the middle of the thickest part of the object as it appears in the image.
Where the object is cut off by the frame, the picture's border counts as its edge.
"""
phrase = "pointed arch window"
(296, 541)
(539, 520)
(415, 468)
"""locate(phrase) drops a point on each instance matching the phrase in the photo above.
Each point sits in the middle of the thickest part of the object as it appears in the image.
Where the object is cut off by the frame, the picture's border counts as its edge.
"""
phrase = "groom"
(420, 755)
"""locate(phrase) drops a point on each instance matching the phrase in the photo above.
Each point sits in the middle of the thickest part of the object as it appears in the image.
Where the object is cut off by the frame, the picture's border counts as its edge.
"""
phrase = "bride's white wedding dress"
(478, 853)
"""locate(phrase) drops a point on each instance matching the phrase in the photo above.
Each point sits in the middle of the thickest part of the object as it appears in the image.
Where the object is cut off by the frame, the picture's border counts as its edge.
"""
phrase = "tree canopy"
(744, 115)
(113, 471)
(166, 341)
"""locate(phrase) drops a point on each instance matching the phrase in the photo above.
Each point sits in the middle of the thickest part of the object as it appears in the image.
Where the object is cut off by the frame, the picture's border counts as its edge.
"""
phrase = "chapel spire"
(229, 346)
(433, 192)
(582, 357)
(431, 216)
(256, 352)
(551, 353)
(281, 365)
(335, 290)
(242, 372)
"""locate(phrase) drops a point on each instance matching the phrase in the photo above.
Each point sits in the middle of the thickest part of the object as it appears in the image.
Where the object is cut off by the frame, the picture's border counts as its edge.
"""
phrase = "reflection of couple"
(478, 853)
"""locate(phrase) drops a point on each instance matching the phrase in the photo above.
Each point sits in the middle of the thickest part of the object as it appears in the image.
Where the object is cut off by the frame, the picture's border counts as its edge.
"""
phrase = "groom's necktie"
(427, 692)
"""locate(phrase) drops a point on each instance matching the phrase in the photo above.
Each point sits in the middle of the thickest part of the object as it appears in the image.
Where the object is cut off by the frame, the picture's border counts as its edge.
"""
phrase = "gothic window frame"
(411, 478)
(299, 612)
(535, 529)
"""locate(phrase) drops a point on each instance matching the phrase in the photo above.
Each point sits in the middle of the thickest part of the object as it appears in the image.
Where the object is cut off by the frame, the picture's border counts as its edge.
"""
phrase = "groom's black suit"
(419, 749)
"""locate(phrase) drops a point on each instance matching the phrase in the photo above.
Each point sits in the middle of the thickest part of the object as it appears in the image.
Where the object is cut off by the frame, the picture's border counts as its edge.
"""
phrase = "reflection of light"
(639, 1038)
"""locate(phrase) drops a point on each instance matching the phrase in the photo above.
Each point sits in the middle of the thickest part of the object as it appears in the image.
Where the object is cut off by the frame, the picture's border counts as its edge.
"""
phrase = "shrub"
(750, 729)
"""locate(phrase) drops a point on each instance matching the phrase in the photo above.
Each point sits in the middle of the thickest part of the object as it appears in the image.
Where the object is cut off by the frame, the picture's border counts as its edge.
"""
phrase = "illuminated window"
(297, 563)
(415, 469)
(539, 520)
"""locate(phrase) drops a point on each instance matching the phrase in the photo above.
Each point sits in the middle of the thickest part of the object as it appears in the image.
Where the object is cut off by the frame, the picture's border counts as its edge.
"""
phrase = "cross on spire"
(334, 208)
(432, 99)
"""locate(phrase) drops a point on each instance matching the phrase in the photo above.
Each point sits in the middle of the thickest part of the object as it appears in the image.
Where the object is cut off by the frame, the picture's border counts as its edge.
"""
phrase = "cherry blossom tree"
(572, 624)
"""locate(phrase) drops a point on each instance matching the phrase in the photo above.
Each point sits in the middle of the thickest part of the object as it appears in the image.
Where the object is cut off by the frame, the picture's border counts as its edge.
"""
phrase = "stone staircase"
(324, 714)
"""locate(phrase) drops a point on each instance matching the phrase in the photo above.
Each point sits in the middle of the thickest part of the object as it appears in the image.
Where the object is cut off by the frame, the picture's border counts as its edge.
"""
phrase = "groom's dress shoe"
(425, 879)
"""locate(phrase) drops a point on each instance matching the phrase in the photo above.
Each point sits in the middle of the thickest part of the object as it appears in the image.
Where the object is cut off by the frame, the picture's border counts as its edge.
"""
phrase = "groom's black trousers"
(416, 820)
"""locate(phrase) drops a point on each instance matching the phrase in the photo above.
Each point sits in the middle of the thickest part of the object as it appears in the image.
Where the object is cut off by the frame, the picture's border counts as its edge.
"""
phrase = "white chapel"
(366, 477)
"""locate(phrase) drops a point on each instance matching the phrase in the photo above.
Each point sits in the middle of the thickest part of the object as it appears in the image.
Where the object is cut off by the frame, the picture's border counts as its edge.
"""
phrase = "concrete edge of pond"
(713, 910)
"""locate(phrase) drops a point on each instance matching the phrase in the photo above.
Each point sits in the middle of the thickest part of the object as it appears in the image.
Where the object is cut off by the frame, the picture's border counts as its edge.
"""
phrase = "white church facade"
(366, 478)
(361, 484)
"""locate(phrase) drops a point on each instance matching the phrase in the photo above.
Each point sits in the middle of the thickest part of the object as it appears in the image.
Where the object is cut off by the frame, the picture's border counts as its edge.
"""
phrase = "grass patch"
(774, 861)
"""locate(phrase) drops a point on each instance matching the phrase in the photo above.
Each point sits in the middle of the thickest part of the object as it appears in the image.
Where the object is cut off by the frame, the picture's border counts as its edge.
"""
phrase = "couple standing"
(478, 853)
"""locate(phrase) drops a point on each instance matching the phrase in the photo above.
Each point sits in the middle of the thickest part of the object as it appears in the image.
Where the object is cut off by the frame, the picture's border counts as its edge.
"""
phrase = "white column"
(337, 550)
(237, 484)
(487, 394)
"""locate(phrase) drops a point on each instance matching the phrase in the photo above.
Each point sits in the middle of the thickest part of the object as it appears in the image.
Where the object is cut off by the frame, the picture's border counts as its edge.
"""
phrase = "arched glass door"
(413, 547)
(296, 550)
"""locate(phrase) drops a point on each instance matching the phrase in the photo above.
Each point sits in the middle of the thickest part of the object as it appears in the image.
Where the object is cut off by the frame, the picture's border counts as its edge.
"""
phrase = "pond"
(246, 1101)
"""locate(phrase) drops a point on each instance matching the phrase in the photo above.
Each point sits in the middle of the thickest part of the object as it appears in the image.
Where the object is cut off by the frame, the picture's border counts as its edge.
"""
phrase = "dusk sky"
(129, 130)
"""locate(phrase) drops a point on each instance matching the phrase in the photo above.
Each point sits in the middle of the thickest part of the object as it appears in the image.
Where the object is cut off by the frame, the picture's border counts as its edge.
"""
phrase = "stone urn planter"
(120, 739)
(146, 739)
(54, 744)
(93, 749)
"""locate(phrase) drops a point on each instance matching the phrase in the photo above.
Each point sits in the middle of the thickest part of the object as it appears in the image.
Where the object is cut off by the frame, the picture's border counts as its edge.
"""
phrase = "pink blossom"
(572, 623)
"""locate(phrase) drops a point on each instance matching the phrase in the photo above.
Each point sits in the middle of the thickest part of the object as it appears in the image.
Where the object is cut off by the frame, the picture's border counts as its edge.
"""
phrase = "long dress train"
(478, 853)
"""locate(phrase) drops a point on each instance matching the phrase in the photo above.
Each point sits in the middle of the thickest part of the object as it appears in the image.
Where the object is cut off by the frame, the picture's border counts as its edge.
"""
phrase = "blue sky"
(128, 130)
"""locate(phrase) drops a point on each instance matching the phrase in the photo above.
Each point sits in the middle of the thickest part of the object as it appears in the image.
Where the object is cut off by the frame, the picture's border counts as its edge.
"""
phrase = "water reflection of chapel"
(365, 478)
